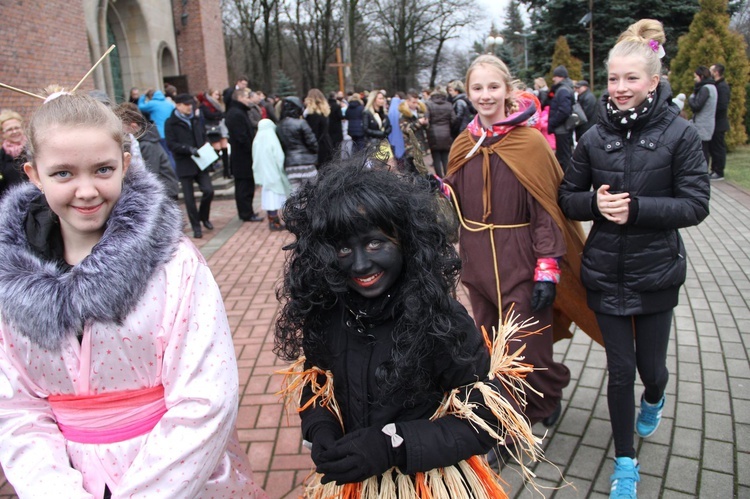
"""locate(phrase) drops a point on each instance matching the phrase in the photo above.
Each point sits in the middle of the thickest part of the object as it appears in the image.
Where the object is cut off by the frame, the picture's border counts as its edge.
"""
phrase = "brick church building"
(158, 41)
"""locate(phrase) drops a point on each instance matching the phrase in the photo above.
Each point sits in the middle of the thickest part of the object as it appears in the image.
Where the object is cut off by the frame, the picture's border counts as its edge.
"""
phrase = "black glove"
(543, 295)
(194, 151)
(357, 456)
(323, 437)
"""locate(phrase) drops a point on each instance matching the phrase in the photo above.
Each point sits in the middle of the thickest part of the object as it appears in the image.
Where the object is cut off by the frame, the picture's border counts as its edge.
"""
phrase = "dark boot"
(225, 162)
(274, 224)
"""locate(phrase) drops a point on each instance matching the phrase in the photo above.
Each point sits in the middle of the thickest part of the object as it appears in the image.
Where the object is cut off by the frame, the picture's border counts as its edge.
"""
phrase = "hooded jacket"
(141, 311)
(157, 161)
(637, 268)
(268, 159)
(158, 108)
(703, 104)
(440, 113)
(298, 141)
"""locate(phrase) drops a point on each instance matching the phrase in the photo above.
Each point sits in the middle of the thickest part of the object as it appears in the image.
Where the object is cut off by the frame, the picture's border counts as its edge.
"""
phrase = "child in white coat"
(118, 376)
(268, 170)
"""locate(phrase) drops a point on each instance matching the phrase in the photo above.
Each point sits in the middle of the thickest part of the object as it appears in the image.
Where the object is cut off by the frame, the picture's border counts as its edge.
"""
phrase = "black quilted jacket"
(637, 268)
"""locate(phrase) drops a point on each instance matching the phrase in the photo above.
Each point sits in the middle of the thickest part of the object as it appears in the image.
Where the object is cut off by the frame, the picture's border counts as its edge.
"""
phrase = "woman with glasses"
(11, 153)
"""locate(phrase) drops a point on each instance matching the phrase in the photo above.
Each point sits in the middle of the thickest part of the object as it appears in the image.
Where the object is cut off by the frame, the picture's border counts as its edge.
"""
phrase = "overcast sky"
(492, 11)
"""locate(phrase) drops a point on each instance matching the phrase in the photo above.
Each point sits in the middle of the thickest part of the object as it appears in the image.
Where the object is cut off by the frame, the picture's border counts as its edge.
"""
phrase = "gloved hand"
(357, 456)
(194, 151)
(323, 438)
(543, 295)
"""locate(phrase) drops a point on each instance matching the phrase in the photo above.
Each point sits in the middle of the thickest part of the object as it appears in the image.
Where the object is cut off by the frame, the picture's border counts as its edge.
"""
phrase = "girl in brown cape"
(515, 243)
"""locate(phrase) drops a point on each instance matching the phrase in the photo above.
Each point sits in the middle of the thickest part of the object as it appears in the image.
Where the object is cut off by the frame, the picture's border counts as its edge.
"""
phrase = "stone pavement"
(702, 448)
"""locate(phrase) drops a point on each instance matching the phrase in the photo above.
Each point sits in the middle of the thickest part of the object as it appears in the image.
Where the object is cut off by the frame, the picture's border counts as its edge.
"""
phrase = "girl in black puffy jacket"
(649, 179)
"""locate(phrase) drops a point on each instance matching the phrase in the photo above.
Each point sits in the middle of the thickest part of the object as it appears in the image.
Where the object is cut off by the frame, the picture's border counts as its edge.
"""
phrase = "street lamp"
(525, 47)
(492, 42)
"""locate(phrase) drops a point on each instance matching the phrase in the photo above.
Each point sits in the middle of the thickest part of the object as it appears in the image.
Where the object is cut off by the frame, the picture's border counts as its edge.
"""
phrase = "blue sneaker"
(624, 481)
(649, 417)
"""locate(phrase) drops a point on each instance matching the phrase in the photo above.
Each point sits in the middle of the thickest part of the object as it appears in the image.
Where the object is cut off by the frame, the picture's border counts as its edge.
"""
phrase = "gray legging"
(648, 353)
(440, 162)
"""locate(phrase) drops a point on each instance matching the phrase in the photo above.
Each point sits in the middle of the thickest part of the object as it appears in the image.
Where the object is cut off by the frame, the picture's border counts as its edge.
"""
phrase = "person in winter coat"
(353, 117)
(152, 153)
(649, 179)
(703, 104)
(116, 358)
(212, 111)
(299, 143)
(413, 116)
(335, 126)
(718, 144)
(185, 135)
(156, 106)
(587, 100)
(316, 114)
(12, 156)
(268, 169)
(375, 122)
(463, 109)
(561, 101)
(241, 137)
(383, 353)
(440, 115)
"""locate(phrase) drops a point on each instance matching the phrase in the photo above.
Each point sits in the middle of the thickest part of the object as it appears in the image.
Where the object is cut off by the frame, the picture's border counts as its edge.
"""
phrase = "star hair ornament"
(58, 91)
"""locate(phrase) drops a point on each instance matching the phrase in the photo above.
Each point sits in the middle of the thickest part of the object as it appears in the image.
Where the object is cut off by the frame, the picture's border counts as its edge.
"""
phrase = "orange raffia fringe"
(296, 377)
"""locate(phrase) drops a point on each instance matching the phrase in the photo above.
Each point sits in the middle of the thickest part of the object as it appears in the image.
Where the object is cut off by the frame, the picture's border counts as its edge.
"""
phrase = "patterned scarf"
(14, 149)
(627, 119)
(525, 112)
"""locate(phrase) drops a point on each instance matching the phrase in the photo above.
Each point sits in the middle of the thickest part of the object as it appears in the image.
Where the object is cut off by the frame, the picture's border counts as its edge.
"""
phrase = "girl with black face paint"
(386, 359)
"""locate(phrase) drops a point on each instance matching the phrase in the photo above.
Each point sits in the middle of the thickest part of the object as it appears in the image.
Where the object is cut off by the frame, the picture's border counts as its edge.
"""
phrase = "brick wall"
(38, 49)
(200, 44)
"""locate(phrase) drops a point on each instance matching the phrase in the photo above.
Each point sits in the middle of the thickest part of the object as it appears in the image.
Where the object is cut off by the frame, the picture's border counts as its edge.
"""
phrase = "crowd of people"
(125, 381)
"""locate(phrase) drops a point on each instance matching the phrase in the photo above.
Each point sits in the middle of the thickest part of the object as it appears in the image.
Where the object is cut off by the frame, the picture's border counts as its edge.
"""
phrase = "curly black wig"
(347, 197)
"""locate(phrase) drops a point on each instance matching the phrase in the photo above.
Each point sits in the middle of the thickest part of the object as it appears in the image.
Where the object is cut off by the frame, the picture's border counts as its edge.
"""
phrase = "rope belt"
(479, 227)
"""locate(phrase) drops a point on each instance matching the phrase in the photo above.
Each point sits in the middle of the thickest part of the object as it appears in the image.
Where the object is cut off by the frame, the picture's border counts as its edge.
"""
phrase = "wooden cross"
(340, 65)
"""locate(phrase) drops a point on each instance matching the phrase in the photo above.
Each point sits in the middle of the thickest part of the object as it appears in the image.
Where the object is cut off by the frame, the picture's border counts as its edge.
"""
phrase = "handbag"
(576, 118)
(213, 129)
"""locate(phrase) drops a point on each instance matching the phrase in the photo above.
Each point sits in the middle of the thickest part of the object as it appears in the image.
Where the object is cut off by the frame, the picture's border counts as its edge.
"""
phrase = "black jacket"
(298, 141)
(157, 161)
(723, 92)
(354, 116)
(319, 125)
(637, 268)
(441, 115)
(180, 139)
(335, 130)
(356, 355)
(463, 114)
(241, 135)
(560, 107)
(588, 103)
(373, 132)
(11, 171)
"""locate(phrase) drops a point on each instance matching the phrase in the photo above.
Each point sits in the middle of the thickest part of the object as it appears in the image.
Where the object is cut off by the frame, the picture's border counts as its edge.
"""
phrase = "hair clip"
(657, 47)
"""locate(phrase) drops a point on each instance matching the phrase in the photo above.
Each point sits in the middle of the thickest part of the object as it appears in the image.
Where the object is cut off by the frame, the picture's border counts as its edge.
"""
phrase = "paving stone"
(689, 416)
(717, 402)
(686, 442)
(718, 456)
(740, 388)
(743, 467)
(742, 437)
(716, 484)
(682, 474)
(719, 427)
(689, 392)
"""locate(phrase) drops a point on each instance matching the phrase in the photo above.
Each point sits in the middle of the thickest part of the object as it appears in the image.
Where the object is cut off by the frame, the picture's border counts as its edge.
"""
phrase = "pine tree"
(563, 57)
(709, 40)
(514, 24)
(284, 85)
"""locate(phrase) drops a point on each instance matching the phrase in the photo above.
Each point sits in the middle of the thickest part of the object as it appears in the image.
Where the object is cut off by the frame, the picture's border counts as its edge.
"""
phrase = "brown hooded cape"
(531, 168)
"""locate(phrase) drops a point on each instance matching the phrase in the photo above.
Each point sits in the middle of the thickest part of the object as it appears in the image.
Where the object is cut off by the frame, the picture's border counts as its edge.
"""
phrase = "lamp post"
(492, 42)
(525, 47)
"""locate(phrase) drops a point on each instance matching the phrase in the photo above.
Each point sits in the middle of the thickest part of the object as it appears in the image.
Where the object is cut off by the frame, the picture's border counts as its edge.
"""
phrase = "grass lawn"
(738, 167)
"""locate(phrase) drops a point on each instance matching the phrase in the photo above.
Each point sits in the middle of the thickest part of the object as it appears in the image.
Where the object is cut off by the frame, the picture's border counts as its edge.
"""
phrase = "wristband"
(547, 270)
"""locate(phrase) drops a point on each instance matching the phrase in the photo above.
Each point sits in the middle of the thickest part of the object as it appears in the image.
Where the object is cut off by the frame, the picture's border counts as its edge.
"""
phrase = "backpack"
(577, 117)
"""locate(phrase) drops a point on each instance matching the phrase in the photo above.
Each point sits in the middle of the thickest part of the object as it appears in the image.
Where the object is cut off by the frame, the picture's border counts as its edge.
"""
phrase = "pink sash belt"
(108, 417)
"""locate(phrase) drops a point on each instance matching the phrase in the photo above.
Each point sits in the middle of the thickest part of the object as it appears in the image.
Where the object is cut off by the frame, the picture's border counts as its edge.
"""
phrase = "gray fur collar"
(46, 304)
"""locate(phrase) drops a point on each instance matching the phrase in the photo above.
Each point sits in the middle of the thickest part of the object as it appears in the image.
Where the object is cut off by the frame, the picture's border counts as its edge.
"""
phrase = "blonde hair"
(539, 83)
(370, 106)
(7, 114)
(510, 84)
(636, 41)
(316, 103)
(71, 110)
(458, 86)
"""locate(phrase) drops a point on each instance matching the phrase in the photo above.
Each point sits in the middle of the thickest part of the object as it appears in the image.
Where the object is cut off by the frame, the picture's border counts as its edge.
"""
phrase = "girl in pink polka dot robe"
(118, 376)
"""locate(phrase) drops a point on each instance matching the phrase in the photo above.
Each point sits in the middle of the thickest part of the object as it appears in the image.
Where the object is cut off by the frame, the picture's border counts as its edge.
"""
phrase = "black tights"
(648, 353)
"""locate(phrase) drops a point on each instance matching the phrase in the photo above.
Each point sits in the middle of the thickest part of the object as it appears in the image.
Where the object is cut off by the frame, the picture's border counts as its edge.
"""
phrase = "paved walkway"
(702, 448)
